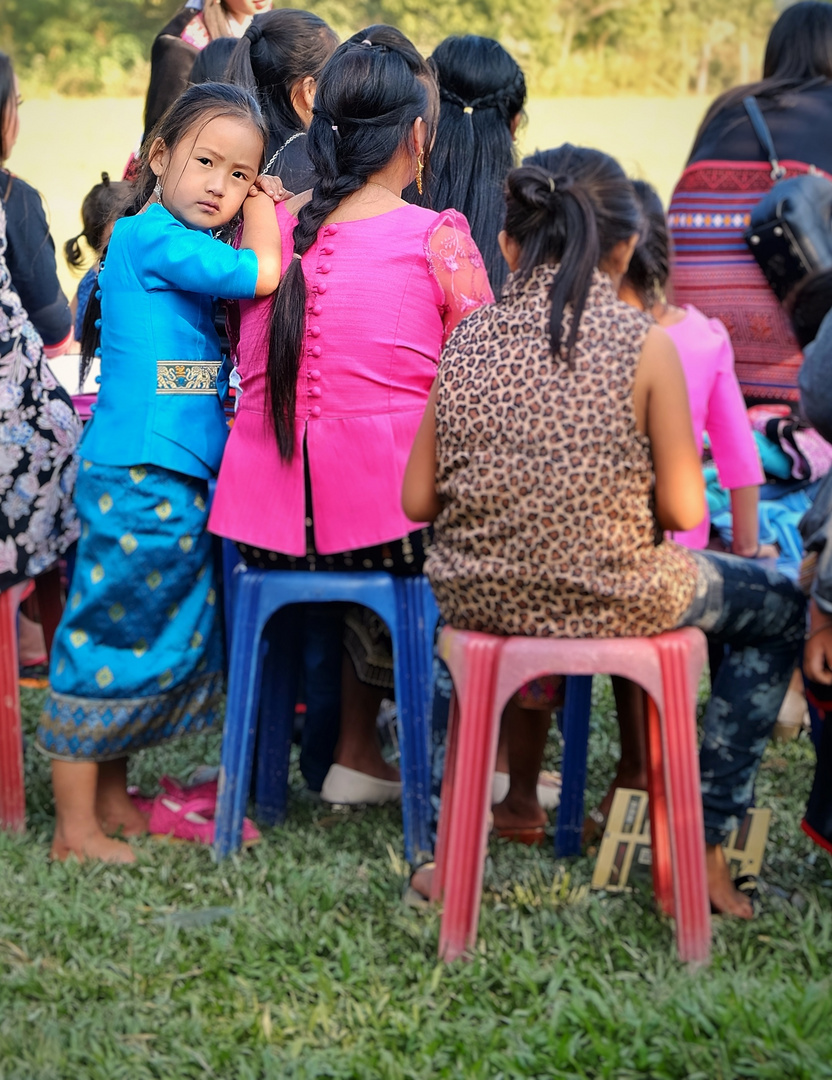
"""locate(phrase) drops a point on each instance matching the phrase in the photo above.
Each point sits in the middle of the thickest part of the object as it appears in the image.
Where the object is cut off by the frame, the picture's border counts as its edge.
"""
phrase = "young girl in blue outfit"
(138, 655)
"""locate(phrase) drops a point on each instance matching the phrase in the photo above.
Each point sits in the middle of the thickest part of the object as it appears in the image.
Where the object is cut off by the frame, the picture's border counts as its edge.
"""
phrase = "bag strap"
(762, 132)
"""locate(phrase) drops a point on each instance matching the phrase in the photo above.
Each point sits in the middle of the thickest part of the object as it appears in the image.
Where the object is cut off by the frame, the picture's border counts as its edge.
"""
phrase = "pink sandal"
(208, 790)
(189, 820)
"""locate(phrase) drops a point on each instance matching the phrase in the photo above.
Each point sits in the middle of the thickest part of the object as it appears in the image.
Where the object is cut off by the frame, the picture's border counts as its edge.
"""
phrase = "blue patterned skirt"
(138, 656)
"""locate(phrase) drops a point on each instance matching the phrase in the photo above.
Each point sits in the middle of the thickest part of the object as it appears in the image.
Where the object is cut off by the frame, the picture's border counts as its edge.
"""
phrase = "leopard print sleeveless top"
(547, 527)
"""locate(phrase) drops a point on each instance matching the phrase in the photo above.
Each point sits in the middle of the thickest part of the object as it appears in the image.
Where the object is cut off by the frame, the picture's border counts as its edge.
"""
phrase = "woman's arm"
(745, 524)
(457, 267)
(663, 414)
(817, 652)
(420, 500)
(261, 235)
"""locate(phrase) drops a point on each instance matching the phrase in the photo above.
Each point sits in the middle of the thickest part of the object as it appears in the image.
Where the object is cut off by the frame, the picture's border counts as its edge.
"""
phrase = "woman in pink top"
(716, 406)
(335, 375)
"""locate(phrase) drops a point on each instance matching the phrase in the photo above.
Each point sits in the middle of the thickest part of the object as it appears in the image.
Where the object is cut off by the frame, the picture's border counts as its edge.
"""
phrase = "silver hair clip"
(334, 127)
(367, 41)
(552, 184)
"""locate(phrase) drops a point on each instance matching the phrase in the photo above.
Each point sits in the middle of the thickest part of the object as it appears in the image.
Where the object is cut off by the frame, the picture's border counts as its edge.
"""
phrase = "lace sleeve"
(456, 265)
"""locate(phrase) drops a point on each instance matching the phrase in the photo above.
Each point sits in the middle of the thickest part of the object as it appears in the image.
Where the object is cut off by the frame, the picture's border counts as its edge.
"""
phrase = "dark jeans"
(760, 615)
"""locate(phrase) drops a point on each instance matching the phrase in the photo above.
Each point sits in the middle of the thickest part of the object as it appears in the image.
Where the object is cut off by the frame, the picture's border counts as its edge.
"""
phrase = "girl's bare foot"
(725, 898)
(113, 806)
(89, 844)
(114, 818)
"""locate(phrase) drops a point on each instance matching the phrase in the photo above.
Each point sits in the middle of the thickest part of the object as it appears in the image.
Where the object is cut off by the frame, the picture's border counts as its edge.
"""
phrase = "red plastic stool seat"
(487, 671)
(12, 794)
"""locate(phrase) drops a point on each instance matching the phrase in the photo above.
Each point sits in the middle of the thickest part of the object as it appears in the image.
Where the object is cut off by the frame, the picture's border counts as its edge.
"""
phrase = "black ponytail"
(568, 208)
(649, 267)
(369, 95)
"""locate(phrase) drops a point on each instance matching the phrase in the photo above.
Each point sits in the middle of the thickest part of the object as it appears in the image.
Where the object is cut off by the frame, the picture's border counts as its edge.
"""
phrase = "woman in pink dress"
(335, 376)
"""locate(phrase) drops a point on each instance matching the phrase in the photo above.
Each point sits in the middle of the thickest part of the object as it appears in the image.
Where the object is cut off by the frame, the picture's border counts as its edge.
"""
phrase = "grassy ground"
(299, 960)
(66, 142)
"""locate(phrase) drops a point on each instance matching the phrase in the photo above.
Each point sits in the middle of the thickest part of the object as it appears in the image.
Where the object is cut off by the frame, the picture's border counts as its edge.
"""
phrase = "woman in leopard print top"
(556, 449)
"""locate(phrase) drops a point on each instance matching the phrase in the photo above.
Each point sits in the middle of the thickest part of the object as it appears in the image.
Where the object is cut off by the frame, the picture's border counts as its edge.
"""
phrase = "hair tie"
(468, 109)
(552, 185)
(367, 41)
(296, 256)
(253, 33)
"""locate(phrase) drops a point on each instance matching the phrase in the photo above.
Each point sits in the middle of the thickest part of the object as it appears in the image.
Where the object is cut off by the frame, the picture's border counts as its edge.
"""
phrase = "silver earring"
(157, 191)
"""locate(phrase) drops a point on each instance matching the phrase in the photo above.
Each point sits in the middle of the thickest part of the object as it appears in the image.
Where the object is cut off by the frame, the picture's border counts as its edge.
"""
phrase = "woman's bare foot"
(518, 814)
(725, 898)
(89, 843)
(421, 880)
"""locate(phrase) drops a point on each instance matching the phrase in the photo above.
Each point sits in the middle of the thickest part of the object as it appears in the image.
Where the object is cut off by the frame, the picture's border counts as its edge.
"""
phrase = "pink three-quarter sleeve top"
(716, 406)
(383, 294)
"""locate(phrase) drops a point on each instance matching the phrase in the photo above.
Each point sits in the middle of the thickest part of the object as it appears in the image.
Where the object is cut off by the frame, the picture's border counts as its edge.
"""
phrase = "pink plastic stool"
(487, 671)
(12, 794)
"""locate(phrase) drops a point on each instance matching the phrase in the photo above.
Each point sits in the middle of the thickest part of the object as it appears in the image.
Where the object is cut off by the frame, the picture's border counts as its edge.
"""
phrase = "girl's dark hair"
(368, 96)
(568, 208)
(212, 62)
(808, 304)
(481, 91)
(798, 57)
(100, 208)
(279, 49)
(649, 267)
(7, 99)
(194, 108)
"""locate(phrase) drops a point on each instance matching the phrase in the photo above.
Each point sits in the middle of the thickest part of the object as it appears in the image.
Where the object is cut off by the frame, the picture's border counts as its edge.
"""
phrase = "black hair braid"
(289, 310)
(370, 92)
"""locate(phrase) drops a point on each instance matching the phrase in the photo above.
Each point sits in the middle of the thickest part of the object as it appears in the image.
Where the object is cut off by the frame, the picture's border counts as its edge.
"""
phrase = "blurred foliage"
(565, 46)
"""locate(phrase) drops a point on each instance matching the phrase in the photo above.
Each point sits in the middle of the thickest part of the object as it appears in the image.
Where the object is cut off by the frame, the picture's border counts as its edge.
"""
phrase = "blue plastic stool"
(409, 610)
(575, 731)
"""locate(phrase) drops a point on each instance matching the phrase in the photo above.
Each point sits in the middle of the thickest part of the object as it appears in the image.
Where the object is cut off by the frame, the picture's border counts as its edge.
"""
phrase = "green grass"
(299, 960)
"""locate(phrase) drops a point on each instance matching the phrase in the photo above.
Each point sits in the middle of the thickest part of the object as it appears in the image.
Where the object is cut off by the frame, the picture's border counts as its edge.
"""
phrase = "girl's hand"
(817, 656)
(273, 187)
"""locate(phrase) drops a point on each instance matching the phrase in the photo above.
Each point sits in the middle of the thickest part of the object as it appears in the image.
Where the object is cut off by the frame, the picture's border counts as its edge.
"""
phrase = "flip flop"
(189, 821)
(209, 789)
(530, 835)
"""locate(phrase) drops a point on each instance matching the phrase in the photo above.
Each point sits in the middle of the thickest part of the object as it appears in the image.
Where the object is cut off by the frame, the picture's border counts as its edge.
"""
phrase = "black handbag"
(790, 234)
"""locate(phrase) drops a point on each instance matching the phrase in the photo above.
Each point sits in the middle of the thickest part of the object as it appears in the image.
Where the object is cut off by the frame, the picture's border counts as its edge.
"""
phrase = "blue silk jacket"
(160, 354)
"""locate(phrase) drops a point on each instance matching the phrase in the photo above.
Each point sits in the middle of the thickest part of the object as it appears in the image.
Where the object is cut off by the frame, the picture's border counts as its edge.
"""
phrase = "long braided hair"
(482, 92)
(372, 90)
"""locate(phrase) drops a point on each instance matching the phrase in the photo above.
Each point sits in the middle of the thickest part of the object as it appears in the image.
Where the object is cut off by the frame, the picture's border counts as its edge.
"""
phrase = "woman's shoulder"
(15, 190)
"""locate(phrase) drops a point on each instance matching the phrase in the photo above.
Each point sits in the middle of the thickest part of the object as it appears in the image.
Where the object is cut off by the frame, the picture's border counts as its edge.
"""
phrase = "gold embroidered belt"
(187, 376)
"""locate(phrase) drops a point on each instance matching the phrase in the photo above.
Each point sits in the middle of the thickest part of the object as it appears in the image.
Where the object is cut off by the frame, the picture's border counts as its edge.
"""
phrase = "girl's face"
(209, 172)
(239, 10)
(11, 118)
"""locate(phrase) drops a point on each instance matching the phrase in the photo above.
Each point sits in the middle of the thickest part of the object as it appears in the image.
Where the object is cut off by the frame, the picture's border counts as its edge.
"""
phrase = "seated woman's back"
(727, 175)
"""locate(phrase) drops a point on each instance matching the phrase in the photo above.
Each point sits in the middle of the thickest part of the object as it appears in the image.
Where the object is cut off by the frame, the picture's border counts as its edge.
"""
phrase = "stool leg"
(662, 862)
(413, 663)
(277, 710)
(685, 819)
(576, 711)
(446, 799)
(476, 753)
(242, 700)
(12, 794)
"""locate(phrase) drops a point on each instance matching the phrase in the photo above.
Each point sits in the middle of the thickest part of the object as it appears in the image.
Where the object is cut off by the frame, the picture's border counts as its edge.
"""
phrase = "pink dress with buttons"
(383, 294)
